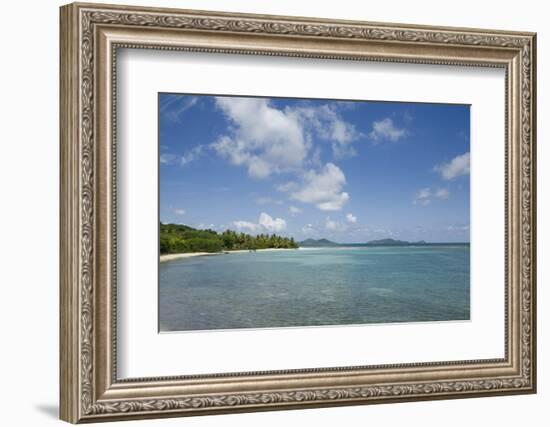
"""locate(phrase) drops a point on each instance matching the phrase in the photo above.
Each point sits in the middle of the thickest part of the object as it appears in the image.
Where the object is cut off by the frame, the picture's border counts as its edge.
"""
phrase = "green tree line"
(177, 238)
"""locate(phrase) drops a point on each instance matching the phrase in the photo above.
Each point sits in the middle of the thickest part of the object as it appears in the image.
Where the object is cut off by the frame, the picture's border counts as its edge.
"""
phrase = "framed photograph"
(265, 212)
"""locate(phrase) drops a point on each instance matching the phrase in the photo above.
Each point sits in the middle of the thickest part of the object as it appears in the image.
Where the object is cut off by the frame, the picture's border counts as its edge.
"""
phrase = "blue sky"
(343, 170)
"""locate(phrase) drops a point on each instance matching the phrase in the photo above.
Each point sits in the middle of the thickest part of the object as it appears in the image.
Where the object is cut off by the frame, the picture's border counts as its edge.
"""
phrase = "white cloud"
(352, 219)
(246, 226)
(188, 157)
(287, 186)
(386, 130)
(191, 155)
(442, 193)
(423, 197)
(167, 158)
(267, 140)
(264, 139)
(332, 225)
(272, 224)
(265, 223)
(330, 126)
(179, 211)
(424, 193)
(458, 166)
(343, 134)
(258, 168)
(203, 226)
(294, 210)
(315, 159)
(175, 106)
(324, 188)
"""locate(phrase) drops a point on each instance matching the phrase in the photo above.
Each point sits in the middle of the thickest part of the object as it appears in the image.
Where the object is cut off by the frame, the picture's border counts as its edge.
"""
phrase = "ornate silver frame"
(90, 36)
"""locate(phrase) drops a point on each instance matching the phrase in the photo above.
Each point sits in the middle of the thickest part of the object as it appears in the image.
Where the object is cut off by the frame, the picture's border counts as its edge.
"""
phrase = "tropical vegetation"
(178, 238)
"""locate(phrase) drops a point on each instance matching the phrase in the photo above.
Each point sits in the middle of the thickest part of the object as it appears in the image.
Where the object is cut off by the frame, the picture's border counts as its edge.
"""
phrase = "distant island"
(310, 243)
(179, 238)
(313, 243)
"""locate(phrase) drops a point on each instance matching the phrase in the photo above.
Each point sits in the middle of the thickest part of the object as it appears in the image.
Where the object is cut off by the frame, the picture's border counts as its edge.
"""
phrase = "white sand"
(259, 250)
(170, 257)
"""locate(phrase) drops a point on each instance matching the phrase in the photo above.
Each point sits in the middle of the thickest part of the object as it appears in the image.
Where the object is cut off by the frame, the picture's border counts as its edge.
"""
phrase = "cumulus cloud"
(386, 130)
(272, 224)
(352, 219)
(251, 227)
(267, 140)
(265, 223)
(323, 188)
(458, 166)
(179, 211)
(327, 123)
(262, 138)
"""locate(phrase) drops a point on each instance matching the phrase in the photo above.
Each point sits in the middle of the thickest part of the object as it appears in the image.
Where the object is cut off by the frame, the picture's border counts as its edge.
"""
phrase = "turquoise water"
(311, 287)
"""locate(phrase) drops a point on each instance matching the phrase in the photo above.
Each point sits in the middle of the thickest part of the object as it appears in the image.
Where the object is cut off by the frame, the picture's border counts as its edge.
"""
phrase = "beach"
(171, 257)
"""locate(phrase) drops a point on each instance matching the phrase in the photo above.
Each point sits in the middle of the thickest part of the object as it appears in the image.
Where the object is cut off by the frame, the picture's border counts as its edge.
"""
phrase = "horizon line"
(418, 242)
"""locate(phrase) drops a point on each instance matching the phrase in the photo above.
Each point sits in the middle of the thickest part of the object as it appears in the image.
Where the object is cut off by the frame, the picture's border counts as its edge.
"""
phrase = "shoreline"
(172, 257)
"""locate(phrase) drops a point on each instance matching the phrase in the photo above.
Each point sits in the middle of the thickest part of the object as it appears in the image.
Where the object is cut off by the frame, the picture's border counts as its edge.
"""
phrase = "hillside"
(316, 243)
(312, 243)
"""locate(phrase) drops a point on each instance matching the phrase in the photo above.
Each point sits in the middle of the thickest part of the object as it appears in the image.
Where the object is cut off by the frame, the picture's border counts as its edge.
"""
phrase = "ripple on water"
(315, 287)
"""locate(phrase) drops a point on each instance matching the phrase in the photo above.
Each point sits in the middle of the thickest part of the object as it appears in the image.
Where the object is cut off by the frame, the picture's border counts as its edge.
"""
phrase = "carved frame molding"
(90, 37)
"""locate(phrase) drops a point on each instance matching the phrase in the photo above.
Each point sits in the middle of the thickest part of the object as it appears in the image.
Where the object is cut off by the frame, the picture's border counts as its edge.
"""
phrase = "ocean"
(316, 287)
